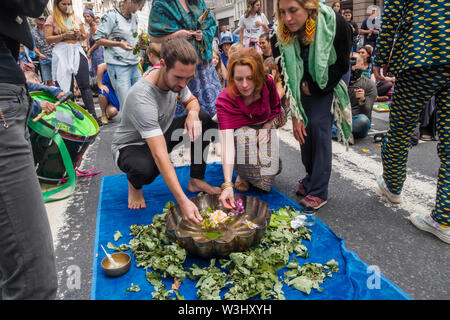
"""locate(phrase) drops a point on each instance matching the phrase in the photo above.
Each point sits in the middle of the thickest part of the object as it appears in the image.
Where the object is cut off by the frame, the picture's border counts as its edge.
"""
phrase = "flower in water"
(218, 217)
(250, 224)
(239, 209)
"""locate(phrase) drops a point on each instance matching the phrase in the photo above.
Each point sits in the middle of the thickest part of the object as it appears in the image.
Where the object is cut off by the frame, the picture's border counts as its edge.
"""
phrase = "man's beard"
(174, 88)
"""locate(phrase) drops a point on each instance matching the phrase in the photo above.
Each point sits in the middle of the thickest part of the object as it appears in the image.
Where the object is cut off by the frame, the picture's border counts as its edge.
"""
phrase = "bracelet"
(227, 185)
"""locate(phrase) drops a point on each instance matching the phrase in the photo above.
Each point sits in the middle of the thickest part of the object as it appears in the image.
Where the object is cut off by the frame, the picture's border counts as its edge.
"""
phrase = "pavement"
(376, 230)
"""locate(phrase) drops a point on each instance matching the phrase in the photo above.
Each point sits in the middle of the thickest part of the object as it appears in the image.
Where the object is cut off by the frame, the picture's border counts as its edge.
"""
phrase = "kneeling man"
(143, 139)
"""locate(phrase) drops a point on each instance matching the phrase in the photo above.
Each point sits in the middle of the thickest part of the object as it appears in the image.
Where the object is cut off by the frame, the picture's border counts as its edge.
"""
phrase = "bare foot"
(135, 198)
(197, 185)
(241, 184)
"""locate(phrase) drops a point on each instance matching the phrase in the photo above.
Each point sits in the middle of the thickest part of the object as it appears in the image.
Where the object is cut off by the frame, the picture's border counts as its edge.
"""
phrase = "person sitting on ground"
(362, 93)
(107, 99)
(383, 86)
(264, 45)
(366, 53)
(144, 138)
(34, 84)
(246, 110)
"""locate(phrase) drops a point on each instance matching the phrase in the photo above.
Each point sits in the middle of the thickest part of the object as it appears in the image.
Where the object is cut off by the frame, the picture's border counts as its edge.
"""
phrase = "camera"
(352, 61)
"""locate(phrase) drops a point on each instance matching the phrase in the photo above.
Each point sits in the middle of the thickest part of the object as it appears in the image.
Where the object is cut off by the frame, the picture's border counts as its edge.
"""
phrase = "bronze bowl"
(237, 236)
(123, 259)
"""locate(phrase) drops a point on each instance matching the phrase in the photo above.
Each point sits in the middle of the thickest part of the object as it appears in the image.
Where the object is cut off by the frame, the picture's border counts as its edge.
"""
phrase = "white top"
(249, 26)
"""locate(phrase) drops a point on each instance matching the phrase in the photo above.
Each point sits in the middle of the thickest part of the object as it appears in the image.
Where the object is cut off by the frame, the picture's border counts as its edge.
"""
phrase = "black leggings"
(138, 163)
(82, 78)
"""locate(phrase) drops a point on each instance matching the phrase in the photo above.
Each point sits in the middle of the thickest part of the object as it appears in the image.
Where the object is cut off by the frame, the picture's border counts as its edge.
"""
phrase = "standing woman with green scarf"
(312, 47)
(170, 19)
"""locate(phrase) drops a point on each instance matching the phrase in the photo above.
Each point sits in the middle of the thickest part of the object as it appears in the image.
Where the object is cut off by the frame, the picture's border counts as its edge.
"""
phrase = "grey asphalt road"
(378, 232)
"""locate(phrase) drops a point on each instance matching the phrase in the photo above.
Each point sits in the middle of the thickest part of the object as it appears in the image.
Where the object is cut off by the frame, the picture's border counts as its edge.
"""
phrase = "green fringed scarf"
(321, 56)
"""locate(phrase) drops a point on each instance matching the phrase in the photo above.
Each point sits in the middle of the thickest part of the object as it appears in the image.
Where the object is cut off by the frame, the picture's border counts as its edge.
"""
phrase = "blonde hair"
(219, 67)
(60, 18)
(154, 48)
(269, 66)
(234, 48)
(250, 4)
(284, 35)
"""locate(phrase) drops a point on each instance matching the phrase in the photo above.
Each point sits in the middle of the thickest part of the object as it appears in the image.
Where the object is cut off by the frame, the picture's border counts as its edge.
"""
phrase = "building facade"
(358, 7)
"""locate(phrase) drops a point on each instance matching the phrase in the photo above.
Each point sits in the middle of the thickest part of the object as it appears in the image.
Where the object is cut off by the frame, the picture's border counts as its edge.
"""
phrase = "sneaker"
(301, 190)
(428, 224)
(392, 197)
(313, 202)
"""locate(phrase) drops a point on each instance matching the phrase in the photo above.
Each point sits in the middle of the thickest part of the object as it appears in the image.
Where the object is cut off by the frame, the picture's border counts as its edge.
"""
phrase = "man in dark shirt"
(370, 28)
(27, 260)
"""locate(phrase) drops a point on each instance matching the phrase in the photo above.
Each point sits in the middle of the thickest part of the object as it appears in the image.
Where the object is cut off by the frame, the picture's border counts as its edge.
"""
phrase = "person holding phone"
(64, 29)
(362, 93)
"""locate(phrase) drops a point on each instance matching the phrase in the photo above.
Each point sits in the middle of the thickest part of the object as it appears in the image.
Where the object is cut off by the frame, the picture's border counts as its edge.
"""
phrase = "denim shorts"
(46, 72)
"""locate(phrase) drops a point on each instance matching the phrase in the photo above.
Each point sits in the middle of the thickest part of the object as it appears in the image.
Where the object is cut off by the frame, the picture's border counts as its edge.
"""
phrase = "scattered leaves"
(243, 275)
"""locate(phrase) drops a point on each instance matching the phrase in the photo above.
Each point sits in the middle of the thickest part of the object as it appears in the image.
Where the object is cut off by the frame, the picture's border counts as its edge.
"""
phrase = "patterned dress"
(167, 17)
(96, 58)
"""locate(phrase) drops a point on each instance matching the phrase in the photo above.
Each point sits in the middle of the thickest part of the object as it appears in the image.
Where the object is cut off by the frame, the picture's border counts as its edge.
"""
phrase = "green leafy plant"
(242, 275)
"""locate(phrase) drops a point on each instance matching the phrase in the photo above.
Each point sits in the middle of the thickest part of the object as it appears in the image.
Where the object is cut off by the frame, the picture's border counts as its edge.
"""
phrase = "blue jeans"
(122, 79)
(360, 127)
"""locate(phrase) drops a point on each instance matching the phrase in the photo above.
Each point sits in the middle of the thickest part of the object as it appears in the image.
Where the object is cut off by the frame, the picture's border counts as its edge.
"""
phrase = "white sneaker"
(392, 197)
(428, 224)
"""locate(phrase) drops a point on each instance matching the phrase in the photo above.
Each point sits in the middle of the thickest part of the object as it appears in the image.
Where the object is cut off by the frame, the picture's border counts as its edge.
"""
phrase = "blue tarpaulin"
(355, 280)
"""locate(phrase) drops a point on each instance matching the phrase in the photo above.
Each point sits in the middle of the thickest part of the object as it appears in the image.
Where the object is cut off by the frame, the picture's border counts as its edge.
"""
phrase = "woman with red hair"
(246, 111)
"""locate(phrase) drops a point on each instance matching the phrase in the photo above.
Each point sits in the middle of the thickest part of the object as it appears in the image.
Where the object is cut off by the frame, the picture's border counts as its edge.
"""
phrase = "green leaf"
(117, 235)
(122, 247)
(302, 283)
(213, 235)
(133, 288)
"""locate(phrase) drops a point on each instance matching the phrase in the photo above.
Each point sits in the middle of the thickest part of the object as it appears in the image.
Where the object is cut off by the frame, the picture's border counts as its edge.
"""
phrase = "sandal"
(426, 137)
(104, 119)
(241, 185)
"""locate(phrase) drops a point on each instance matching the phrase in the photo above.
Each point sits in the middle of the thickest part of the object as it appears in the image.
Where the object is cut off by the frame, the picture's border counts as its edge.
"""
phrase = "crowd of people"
(312, 64)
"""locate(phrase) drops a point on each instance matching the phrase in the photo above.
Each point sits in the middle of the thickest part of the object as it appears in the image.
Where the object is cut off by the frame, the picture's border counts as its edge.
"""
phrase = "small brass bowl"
(122, 259)
(236, 235)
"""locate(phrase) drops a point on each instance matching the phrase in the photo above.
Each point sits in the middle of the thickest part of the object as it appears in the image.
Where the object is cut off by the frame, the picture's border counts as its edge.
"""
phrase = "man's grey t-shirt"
(148, 112)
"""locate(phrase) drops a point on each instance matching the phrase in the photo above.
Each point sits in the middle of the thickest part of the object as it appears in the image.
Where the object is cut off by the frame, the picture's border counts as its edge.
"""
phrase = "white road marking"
(418, 193)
